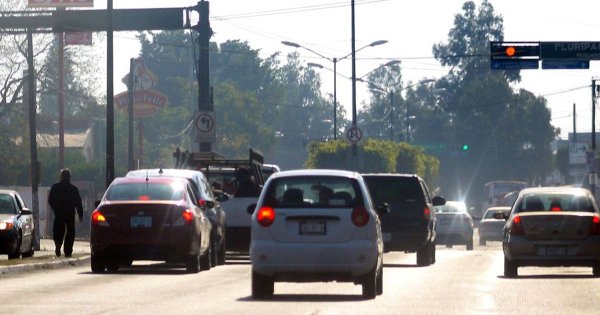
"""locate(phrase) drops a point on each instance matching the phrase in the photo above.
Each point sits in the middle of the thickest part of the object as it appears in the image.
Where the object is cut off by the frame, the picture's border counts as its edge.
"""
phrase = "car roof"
(7, 191)
(390, 175)
(315, 172)
(152, 179)
(503, 208)
(550, 190)
(171, 172)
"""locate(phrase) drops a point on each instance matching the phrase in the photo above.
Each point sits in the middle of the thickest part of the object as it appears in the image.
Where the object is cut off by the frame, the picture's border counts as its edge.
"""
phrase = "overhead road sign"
(570, 50)
(514, 50)
(565, 64)
(514, 64)
(59, 3)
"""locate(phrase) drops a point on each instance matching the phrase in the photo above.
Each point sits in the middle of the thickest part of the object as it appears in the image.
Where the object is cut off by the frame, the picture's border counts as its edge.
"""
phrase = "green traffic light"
(465, 147)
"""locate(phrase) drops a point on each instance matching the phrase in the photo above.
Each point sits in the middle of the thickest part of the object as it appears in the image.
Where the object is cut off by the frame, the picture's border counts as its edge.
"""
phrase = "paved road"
(461, 282)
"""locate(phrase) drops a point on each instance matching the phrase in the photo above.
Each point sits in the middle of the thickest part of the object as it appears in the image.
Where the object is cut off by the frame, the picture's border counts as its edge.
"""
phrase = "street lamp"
(334, 60)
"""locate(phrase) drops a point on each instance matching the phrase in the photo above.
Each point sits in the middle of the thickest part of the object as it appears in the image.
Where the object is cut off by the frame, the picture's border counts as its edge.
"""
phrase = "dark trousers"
(62, 221)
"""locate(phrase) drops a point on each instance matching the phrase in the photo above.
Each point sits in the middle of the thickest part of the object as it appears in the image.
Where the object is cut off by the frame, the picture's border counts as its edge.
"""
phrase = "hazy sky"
(410, 26)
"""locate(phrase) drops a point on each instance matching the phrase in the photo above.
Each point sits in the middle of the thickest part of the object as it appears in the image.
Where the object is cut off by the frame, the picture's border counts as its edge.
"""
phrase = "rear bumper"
(453, 235)
(302, 262)
(537, 253)
(407, 239)
(490, 235)
(172, 245)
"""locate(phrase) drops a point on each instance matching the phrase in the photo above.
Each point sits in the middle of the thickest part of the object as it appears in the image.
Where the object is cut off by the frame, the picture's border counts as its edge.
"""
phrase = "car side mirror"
(438, 201)
(383, 208)
(208, 204)
(96, 203)
(221, 196)
(26, 211)
(250, 208)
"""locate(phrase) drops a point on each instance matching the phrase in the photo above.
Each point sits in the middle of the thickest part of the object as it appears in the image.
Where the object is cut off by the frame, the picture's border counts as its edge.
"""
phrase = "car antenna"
(147, 179)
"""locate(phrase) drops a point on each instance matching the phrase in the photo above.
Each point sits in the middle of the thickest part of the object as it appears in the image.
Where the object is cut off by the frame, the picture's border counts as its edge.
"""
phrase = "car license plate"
(387, 237)
(313, 227)
(555, 251)
(141, 221)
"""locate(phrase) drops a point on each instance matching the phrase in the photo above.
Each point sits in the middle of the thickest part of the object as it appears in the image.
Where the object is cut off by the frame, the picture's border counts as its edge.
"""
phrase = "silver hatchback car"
(552, 226)
(316, 225)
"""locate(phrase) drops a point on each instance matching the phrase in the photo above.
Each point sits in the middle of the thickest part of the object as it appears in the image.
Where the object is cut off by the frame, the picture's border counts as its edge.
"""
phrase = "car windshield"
(7, 206)
(146, 191)
(555, 202)
(490, 213)
(313, 192)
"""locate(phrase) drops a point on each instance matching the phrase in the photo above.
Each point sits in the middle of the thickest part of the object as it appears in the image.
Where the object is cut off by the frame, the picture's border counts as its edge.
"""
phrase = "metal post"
(392, 116)
(334, 98)
(593, 173)
(33, 136)
(574, 123)
(407, 124)
(130, 91)
(61, 100)
(110, 106)
(354, 148)
(204, 34)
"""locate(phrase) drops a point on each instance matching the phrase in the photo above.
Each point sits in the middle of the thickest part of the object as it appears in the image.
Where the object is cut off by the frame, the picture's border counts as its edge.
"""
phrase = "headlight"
(6, 226)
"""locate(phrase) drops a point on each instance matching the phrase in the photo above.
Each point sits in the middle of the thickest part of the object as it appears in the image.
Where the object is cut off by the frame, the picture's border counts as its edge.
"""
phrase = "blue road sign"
(565, 64)
(514, 64)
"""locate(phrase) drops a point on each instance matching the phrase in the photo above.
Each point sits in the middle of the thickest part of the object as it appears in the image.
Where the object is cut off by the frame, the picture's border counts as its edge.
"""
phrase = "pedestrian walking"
(64, 199)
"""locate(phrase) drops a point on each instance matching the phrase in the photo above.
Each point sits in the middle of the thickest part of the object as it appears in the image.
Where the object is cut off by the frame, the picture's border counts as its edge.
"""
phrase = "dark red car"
(153, 218)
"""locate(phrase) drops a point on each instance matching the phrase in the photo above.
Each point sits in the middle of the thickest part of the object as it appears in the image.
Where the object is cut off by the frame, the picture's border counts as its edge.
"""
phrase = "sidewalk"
(46, 259)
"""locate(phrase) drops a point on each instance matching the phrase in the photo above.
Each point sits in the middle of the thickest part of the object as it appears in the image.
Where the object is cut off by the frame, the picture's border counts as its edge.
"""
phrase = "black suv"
(410, 224)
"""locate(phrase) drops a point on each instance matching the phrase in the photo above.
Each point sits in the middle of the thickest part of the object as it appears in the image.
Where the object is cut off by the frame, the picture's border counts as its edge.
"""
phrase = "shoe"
(57, 252)
(68, 255)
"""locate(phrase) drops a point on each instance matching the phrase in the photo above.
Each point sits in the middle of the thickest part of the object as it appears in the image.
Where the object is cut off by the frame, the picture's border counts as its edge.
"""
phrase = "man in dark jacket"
(64, 199)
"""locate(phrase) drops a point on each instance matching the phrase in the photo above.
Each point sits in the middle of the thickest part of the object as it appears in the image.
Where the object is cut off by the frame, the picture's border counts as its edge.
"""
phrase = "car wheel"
(510, 268)
(221, 253)
(379, 282)
(213, 255)
(31, 250)
(369, 284)
(481, 241)
(470, 244)
(262, 286)
(448, 245)
(16, 252)
(112, 266)
(192, 265)
(97, 264)
(432, 252)
(596, 270)
(206, 258)
(424, 255)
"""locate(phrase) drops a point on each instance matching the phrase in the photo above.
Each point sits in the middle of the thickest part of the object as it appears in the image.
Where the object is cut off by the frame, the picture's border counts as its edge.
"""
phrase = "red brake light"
(595, 228)
(555, 208)
(427, 213)
(98, 218)
(144, 198)
(188, 216)
(202, 202)
(360, 216)
(265, 216)
(516, 227)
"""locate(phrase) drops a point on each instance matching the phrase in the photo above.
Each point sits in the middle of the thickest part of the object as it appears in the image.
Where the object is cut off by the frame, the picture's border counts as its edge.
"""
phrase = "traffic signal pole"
(593, 168)
(204, 91)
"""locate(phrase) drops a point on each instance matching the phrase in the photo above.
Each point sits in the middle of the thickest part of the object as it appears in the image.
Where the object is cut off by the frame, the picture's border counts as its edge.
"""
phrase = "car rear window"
(555, 202)
(404, 194)
(146, 191)
(313, 192)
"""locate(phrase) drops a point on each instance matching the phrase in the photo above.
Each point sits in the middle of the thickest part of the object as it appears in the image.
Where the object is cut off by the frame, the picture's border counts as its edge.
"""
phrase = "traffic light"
(519, 50)
(465, 147)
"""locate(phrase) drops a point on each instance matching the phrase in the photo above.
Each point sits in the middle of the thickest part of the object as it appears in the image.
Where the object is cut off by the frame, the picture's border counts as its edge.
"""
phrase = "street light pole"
(335, 98)
(392, 116)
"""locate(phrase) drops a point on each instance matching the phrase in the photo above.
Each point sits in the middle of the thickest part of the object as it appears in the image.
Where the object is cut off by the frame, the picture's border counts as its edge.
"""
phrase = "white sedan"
(313, 226)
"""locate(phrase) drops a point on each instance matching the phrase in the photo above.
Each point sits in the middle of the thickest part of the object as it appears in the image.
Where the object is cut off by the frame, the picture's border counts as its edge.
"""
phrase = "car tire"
(192, 264)
(112, 267)
(596, 270)
(97, 264)
(262, 286)
(470, 244)
(379, 282)
(206, 259)
(481, 241)
(369, 284)
(31, 250)
(221, 253)
(510, 268)
(432, 253)
(213, 254)
(16, 253)
(424, 255)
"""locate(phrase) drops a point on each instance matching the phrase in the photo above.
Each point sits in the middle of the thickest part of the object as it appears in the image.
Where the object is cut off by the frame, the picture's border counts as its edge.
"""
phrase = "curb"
(45, 265)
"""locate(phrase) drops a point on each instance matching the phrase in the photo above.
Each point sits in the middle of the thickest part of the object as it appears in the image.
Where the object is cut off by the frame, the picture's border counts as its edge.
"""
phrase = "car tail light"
(516, 228)
(98, 218)
(427, 213)
(188, 216)
(6, 226)
(360, 216)
(595, 228)
(144, 198)
(265, 216)
(202, 203)
(555, 209)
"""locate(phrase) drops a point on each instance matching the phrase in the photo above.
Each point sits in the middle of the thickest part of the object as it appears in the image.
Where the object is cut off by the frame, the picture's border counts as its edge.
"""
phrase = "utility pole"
(593, 167)
(204, 97)
(130, 91)
(335, 98)
(110, 101)
(33, 136)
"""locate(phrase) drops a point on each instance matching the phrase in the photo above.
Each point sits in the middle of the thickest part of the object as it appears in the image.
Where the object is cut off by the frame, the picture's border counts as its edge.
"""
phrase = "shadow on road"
(548, 276)
(306, 298)
(401, 266)
(150, 269)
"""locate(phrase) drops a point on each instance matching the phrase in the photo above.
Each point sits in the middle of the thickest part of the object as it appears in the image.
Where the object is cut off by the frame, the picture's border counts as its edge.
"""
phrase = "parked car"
(316, 225)
(492, 223)
(204, 194)
(17, 229)
(454, 225)
(552, 226)
(410, 225)
(151, 218)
